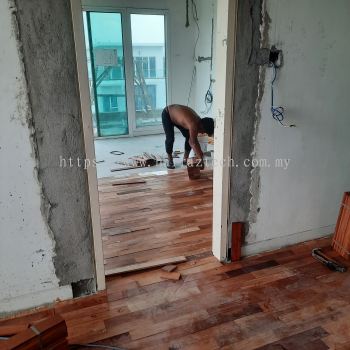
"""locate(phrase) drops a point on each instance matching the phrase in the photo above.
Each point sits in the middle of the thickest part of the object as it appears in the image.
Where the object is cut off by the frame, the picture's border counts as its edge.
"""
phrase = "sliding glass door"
(148, 50)
(105, 51)
(127, 71)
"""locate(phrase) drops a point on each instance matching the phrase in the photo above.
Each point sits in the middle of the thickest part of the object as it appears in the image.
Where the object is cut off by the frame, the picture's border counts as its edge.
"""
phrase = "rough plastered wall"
(300, 202)
(27, 248)
(46, 36)
(248, 42)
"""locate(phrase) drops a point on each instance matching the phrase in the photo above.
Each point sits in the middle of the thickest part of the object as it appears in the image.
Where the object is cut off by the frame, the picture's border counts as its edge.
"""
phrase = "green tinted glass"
(104, 41)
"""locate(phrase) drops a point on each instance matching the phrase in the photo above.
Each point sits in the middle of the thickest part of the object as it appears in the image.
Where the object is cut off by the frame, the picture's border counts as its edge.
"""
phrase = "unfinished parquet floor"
(165, 216)
(281, 300)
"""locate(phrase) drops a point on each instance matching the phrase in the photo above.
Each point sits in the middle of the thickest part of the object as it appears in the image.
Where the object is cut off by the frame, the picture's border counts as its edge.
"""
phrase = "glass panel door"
(105, 52)
(149, 62)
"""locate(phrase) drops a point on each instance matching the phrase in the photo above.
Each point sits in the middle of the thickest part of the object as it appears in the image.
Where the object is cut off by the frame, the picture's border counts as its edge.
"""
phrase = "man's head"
(208, 126)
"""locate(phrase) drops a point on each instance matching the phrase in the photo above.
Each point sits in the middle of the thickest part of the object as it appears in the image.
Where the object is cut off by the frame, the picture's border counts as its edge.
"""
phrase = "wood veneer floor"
(166, 216)
(278, 300)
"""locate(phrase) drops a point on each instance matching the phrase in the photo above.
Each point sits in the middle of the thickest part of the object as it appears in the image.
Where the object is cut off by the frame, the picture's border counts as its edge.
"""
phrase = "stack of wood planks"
(146, 160)
(47, 334)
(341, 239)
(141, 161)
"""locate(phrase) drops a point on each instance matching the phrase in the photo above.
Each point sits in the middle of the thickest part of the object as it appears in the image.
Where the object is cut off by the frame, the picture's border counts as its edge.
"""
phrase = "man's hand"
(193, 141)
(200, 163)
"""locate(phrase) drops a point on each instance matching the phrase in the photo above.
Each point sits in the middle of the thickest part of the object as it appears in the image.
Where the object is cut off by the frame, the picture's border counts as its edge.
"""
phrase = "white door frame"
(78, 28)
(224, 58)
(223, 109)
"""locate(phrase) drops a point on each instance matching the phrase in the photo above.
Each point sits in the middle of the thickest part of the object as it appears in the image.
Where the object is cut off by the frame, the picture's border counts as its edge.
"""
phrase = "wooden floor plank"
(277, 300)
(282, 299)
(153, 218)
(145, 265)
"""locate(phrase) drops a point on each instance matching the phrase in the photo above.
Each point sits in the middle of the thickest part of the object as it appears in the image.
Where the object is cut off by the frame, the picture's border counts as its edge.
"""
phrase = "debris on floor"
(128, 182)
(147, 160)
(50, 333)
(169, 268)
(141, 161)
(325, 260)
(125, 168)
(117, 153)
(175, 276)
(176, 154)
(145, 265)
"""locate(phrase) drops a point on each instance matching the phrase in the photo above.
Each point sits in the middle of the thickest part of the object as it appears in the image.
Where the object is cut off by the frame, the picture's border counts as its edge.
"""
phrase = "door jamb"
(78, 29)
(223, 109)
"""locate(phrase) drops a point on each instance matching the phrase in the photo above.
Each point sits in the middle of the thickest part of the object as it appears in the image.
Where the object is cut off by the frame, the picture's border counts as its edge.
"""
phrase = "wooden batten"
(237, 234)
(341, 238)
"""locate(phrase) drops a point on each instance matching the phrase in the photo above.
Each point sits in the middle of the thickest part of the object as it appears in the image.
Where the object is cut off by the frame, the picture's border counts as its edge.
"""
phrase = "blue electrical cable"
(277, 112)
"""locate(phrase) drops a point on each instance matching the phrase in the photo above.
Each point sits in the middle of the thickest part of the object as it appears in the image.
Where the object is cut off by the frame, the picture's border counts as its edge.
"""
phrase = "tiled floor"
(131, 146)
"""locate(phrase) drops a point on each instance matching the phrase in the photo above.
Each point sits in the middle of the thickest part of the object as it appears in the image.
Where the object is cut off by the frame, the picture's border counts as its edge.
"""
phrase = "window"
(104, 45)
(148, 47)
(152, 67)
(113, 103)
(117, 72)
(145, 67)
(145, 100)
(112, 89)
(109, 103)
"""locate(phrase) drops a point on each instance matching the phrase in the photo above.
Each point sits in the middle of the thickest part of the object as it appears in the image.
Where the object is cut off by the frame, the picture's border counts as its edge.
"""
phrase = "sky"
(145, 29)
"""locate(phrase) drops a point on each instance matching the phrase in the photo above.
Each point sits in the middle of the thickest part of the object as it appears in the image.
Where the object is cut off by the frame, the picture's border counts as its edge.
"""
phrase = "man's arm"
(193, 141)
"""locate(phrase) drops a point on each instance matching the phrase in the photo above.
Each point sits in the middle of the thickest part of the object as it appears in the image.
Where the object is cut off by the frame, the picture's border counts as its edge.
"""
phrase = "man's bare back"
(190, 124)
(184, 116)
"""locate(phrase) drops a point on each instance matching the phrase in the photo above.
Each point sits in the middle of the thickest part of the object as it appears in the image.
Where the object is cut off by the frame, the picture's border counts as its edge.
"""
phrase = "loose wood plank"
(146, 265)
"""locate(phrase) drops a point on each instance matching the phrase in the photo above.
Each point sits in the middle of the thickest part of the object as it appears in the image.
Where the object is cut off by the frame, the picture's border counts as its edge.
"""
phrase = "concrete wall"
(47, 243)
(301, 202)
(46, 34)
(27, 272)
(249, 19)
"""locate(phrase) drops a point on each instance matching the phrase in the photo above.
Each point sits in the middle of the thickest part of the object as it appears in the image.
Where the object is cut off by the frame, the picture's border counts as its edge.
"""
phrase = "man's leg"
(168, 127)
(187, 151)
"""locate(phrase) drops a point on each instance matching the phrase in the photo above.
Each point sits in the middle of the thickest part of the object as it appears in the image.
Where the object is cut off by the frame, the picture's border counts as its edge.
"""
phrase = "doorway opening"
(133, 62)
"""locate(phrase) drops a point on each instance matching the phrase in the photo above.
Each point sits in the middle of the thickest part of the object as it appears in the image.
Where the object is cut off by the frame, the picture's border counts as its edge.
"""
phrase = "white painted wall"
(206, 12)
(26, 269)
(302, 202)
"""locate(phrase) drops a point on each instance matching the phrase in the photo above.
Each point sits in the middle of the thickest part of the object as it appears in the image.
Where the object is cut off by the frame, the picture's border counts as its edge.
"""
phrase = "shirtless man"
(189, 124)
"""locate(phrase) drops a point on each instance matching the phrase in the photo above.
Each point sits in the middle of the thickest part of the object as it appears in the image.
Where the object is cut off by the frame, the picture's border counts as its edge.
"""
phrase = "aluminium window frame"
(138, 131)
(126, 13)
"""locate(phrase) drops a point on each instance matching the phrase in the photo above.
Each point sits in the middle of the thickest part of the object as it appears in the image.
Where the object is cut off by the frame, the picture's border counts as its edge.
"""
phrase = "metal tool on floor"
(325, 260)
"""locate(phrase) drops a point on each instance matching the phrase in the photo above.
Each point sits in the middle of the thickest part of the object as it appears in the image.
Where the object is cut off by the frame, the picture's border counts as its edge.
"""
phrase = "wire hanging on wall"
(194, 71)
(277, 112)
(187, 19)
(208, 98)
